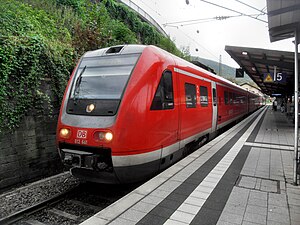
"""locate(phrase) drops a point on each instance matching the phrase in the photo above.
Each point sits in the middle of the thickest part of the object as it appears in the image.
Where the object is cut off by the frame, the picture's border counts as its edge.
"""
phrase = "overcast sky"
(208, 35)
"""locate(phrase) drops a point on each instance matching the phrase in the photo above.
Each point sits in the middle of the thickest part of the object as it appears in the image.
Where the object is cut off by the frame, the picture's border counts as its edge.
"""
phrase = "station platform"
(244, 176)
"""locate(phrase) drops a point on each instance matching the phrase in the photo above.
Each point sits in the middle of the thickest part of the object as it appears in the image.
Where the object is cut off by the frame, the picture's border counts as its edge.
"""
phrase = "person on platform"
(288, 107)
(282, 106)
(275, 105)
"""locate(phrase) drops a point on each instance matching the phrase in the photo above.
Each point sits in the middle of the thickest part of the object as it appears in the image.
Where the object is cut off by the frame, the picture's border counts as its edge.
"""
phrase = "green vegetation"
(41, 41)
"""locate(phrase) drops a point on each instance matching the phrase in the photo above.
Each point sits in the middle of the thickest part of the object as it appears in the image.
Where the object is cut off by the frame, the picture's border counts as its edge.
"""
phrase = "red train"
(131, 111)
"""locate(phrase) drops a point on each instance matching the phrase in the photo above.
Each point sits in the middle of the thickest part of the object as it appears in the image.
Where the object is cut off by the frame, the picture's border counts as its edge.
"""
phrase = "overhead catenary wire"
(195, 20)
(195, 42)
(203, 20)
(175, 26)
(154, 10)
(232, 10)
(184, 21)
(193, 23)
(250, 6)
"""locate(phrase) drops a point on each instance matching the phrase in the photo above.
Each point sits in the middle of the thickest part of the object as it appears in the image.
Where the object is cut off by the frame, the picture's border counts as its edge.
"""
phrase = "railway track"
(71, 207)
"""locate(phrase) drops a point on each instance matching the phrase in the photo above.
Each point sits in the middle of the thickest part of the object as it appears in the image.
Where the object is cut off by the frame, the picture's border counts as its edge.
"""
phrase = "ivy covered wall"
(43, 39)
(40, 43)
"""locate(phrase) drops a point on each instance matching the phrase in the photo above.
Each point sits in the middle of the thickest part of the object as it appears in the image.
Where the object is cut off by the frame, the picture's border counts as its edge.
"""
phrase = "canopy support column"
(296, 111)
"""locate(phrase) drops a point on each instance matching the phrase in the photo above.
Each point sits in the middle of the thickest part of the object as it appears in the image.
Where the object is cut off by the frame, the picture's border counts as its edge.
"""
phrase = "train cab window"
(163, 98)
(203, 96)
(226, 97)
(190, 95)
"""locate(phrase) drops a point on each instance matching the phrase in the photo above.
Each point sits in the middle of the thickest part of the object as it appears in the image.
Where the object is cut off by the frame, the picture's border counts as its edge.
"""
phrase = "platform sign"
(281, 78)
(239, 72)
(268, 78)
(275, 78)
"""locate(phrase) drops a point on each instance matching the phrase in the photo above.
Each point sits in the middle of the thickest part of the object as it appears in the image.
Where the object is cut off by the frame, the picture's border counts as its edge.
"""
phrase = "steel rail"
(14, 217)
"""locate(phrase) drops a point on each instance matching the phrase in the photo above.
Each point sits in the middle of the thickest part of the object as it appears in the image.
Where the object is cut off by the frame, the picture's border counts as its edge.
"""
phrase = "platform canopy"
(260, 64)
(284, 22)
(283, 18)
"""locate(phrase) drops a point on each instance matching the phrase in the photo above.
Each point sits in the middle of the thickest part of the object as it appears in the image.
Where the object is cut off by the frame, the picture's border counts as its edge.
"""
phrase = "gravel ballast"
(33, 193)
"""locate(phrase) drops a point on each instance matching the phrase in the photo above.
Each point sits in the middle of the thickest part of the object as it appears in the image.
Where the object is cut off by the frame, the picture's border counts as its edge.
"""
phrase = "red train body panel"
(131, 111)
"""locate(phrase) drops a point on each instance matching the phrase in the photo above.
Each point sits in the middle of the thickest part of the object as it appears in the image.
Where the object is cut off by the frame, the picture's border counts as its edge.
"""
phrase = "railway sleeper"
(69, 216)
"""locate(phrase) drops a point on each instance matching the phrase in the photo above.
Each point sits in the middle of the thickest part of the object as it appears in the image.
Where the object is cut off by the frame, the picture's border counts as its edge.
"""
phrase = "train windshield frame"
(103, 77)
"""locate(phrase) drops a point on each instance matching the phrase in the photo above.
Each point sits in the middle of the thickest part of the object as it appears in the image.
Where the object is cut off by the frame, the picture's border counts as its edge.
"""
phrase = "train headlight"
(103, 136)
(65, 133)
(108, 136)
(90, 108)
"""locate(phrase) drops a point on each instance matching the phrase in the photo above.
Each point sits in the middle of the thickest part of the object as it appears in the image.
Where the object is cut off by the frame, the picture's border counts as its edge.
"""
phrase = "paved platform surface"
(244, 176)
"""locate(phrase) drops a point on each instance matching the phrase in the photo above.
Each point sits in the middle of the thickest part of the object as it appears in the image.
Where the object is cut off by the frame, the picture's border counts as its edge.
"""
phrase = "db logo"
(82, 134)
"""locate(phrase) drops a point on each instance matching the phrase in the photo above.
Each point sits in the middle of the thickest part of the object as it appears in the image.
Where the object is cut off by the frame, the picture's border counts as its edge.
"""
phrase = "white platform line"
(145, 193)
(199, 196)
(272, 146)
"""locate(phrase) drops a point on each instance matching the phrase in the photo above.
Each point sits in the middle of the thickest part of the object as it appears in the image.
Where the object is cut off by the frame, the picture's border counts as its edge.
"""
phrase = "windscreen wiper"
(77, 84)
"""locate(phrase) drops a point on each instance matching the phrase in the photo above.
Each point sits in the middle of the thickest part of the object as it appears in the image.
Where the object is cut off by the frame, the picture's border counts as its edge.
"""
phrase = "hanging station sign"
(275, 78)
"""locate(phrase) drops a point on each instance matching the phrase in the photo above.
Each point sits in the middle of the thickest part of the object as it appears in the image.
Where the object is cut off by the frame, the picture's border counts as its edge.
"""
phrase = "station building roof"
(258, 62)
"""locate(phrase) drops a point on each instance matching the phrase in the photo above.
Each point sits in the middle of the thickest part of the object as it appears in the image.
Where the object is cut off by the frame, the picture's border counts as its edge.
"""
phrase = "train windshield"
(103, 77)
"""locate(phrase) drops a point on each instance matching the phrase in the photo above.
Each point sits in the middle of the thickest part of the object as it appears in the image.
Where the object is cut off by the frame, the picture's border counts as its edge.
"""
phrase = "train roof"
(138, 49)
(116, 50)
(219, 77)
(208, 73)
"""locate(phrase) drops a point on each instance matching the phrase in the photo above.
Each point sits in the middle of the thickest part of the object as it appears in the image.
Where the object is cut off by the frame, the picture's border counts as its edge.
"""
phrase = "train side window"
(203, 96)
(214, 97)
(226, 97)
(238, 98)
(163, 98)
(190, 95)
(243, 99)
(230, 98)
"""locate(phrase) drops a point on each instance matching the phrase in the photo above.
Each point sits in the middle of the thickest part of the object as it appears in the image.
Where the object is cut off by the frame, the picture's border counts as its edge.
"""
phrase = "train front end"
(85, 131)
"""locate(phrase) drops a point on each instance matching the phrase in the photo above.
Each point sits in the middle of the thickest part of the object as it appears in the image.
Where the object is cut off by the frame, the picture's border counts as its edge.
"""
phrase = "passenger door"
(214, 107)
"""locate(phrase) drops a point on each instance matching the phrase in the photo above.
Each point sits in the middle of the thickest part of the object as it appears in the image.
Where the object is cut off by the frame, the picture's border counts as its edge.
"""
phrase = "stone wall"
(29, 153)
